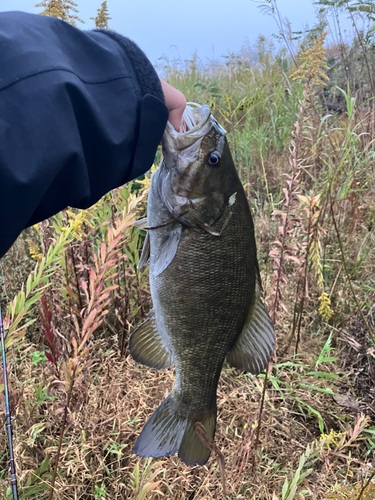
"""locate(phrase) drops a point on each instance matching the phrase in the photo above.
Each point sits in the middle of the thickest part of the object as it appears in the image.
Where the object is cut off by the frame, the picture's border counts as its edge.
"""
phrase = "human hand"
(175, 102)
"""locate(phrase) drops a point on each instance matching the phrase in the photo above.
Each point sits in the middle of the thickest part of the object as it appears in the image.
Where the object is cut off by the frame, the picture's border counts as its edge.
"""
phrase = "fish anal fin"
(253, 349)
(168, 249)
(147, 347)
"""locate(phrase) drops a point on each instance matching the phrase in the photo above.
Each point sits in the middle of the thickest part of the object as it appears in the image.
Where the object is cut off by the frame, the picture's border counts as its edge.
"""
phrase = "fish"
(205, 285)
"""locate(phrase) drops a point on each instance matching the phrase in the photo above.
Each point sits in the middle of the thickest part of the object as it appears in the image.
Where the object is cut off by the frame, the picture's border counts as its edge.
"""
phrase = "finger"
(175, 102)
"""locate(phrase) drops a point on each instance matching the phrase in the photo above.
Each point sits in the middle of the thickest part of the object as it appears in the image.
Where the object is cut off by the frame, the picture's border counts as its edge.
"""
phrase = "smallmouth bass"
(205, 285)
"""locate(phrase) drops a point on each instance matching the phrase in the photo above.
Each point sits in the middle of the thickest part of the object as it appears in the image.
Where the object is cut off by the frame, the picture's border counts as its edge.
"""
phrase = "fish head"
(193, 174)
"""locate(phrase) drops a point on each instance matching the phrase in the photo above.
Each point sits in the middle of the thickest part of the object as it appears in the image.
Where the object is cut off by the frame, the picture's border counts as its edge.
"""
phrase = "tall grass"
(72, 293)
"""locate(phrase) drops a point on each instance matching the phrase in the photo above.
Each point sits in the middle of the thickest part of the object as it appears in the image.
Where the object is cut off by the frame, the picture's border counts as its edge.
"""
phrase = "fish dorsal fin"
(147, 347)
(168, 249)
(253, 349)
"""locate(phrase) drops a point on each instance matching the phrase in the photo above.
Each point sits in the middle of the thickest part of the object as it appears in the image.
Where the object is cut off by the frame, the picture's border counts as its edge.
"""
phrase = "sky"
(178, 29)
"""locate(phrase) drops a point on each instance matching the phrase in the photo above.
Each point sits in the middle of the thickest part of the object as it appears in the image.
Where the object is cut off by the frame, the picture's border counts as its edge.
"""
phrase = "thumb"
(175, 102)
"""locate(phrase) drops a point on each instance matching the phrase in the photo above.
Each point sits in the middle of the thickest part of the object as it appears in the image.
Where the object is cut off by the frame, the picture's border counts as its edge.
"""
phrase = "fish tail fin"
(170, 430)
(192, 451)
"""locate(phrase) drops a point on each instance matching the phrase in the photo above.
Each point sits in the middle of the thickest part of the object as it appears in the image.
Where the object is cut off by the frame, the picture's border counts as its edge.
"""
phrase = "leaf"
(292, 493)
(323, 375)
(285, 489)
(314, 412)
(285, 191)
(303, 199)
(319, 389)
(49, 357)
(34, 490)
(136, 476)
(43, 467)
(146, 489)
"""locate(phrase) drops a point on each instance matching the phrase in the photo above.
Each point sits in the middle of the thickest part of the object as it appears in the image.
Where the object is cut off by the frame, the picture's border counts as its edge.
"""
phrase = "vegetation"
(63, 9)
(102, 17)
(300, 122)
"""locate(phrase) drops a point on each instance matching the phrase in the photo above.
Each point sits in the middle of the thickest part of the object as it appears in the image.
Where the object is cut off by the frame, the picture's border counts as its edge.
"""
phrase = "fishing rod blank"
(8, 417)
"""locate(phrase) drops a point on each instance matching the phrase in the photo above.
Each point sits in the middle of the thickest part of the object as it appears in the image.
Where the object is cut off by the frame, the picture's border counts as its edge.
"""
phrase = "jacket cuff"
(147, 78)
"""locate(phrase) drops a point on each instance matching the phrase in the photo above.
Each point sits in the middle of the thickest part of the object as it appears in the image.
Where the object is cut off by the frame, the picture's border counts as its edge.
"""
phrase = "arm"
(80, 114)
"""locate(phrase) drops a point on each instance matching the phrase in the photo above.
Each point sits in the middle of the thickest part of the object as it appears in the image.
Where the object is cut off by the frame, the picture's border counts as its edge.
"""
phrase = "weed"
(303, 146)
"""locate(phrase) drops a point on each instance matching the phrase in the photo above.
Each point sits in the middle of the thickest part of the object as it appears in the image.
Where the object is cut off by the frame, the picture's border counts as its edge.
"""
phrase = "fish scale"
(206, 302)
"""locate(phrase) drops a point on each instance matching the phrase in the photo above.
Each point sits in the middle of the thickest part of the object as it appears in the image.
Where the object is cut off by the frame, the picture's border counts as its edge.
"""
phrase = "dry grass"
(317, 435)
(119, 398)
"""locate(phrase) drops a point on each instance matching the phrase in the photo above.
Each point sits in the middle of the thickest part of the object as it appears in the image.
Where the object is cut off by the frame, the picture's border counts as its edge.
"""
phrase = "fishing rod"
(8, 417)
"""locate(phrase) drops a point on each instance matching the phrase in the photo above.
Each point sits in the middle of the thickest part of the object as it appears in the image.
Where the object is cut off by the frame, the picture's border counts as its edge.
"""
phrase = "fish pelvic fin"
(253, 349)
(147, 347)
(169, 431)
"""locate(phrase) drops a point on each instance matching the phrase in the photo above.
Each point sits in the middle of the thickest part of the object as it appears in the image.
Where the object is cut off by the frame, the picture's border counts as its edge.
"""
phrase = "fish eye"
(214, 159)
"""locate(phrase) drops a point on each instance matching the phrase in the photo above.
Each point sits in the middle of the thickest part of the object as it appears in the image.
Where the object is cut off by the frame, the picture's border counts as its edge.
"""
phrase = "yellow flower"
(76, 222)
(312, 63)
(332, 439)
(34, 250)
(325, 307)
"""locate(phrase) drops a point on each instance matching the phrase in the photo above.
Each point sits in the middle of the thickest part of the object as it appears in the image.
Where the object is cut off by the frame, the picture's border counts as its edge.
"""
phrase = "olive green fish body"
(205, 288)
(203, 298)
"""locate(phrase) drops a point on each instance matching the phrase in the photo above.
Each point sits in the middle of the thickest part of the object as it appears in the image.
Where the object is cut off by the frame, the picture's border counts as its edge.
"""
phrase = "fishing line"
(8, 417)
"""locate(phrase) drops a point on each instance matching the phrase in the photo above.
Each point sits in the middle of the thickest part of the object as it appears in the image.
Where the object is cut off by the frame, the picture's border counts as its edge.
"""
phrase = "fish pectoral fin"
(147, 347)
(141, 223)
(253, 349)
(145, 255)
(168, 249)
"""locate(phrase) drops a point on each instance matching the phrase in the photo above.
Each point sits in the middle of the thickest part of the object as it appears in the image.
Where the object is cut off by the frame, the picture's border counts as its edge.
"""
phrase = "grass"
(317, 434)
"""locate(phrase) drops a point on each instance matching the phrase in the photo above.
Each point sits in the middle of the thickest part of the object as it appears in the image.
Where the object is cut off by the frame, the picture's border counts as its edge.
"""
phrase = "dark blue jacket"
(81, 112)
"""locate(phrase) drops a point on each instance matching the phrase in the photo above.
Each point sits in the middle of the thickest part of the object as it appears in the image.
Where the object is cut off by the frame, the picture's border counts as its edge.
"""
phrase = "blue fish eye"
(214, 159)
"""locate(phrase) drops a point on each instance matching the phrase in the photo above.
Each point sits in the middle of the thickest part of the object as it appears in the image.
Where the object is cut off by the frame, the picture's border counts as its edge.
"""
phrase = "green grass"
(259, 105)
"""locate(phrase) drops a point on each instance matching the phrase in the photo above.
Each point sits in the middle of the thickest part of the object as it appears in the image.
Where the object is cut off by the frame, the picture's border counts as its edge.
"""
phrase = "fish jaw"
(197, 120)
(185, 154)
(190, 187)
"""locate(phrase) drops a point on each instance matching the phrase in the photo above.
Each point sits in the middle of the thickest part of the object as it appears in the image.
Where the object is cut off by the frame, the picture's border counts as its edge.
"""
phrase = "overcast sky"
(178, 28)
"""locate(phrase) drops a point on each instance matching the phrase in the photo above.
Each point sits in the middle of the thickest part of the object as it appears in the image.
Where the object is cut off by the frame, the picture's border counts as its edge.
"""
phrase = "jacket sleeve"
(81, 112)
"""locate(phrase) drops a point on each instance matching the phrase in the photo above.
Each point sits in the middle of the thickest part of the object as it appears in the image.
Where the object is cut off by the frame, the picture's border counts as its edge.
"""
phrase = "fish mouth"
(196, 122)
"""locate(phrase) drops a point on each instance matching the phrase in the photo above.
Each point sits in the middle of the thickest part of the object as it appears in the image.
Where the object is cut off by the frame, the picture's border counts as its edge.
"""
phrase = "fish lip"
(205, 111)
(175, 141)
